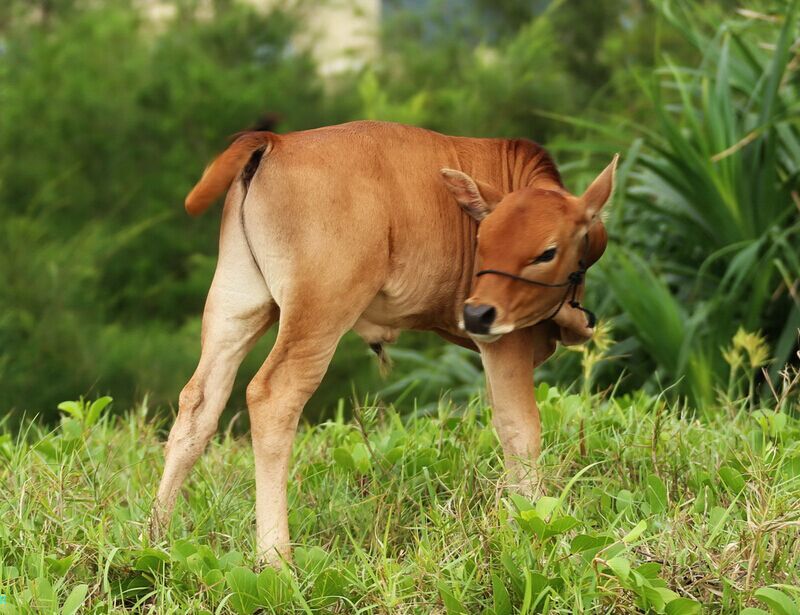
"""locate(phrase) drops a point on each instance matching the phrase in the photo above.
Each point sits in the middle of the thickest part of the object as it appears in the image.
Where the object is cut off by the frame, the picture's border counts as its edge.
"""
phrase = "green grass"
(651, 507)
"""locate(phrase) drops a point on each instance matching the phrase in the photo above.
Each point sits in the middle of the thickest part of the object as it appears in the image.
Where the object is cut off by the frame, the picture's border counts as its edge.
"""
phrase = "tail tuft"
(267, 122)
(219, 175)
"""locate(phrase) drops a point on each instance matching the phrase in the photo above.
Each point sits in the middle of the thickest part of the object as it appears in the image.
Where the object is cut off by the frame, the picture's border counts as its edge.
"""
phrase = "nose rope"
(572, 283)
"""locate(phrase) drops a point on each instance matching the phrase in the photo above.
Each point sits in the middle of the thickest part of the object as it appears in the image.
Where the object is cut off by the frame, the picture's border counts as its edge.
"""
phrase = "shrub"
(707, 220)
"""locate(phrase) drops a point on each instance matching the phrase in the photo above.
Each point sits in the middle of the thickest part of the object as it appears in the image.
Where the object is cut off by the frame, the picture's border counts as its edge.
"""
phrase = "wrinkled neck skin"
(522, 164)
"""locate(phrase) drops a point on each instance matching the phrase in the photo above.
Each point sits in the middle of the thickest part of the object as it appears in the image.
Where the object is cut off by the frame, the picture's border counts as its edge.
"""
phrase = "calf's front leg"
(509, 363)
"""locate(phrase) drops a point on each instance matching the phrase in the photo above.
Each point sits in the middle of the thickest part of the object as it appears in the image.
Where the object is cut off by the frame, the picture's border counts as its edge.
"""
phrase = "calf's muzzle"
(479, 318)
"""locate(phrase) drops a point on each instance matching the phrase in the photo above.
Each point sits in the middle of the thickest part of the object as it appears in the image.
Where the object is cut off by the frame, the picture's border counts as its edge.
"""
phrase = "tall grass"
(648, 508)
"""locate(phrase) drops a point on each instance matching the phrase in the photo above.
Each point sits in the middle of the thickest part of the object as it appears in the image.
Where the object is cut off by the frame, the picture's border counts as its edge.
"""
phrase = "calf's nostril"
(487, 317)
(479, 318)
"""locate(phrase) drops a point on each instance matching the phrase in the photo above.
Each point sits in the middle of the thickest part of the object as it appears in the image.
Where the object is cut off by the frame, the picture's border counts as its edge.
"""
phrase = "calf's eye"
(545, 256)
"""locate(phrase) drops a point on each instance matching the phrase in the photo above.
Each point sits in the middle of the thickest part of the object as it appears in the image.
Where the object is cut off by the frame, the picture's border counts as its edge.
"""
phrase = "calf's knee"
(190, 398)
(256, 393)
(192, 429)
(274, 412)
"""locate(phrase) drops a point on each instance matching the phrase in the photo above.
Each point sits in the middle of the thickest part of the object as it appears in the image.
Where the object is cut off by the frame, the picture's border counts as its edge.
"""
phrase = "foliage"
(107, 119)
(445, 70)
(648, 509)
(104, 125)
(708, 214)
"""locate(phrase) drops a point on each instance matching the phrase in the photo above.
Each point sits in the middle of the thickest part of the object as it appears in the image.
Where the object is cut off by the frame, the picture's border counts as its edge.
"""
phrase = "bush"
(707, 221)
(106, 123)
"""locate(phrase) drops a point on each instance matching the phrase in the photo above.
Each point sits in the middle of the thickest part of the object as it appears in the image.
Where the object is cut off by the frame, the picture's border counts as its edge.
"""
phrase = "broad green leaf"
(716, 517)
(75, 599)
(624, 500)
(197, 565)
(522, 504)
(394, 455)
(151, 560)
(181, 549)
(311, 560)
(637, 531)
(683, 606)
(215, 581)
(649, 570)
(500, 596)
(539, 586)
(95, 409)
(656, 494)
(274, 588)
(587, 542)
(44, 593)
(328, 587)
(545, 506)
(46, 447)
(512, 569)
(732, 479)
(243, 584)
(561, 525)
(667, 595)
(451, 603)
(8, 573)
(530, 521)
(227, 560)
(621, 567)
(778, 602)
(361, 458)
(343, 458)
(653, 598)
(209, 557)
(73, 408)
(72, 429)
(132, 586)
(59, 566)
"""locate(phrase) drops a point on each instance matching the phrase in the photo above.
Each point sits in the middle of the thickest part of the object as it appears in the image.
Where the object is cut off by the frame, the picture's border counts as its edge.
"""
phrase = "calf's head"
(539, 234)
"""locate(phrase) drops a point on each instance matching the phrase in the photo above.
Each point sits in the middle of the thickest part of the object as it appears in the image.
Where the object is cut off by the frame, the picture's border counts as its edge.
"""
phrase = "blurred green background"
(109, 111)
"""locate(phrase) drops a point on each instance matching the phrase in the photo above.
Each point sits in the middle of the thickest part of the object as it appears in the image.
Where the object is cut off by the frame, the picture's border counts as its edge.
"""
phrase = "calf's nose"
(479, 318)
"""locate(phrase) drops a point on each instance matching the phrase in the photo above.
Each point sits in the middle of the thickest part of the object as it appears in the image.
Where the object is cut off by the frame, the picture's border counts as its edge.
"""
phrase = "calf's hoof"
(529, 491)
(529, 486)
(275, 556)
(157, 526)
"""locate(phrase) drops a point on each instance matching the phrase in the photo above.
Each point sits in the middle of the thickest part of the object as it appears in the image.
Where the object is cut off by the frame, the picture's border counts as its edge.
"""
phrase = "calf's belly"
(385, 318)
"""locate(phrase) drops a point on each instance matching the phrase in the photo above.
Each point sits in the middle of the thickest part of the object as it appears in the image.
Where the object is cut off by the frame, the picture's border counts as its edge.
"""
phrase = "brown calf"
(355, 227)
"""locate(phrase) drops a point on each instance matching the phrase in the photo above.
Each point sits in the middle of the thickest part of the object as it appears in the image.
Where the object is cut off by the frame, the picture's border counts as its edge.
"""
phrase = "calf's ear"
(476, 198)
(599, 192)
(598, 240)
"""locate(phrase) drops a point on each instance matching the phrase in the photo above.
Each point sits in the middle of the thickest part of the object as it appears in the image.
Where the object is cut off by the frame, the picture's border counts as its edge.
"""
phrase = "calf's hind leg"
(309, 330)
(238, 311)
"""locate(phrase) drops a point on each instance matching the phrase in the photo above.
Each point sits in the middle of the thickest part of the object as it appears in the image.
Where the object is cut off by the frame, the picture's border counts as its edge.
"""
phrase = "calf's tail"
(219, 175)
